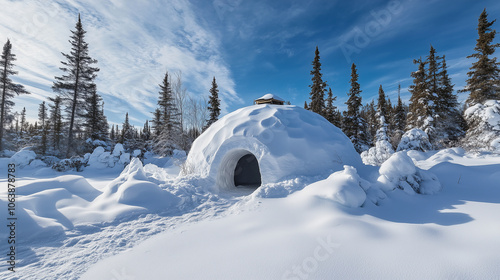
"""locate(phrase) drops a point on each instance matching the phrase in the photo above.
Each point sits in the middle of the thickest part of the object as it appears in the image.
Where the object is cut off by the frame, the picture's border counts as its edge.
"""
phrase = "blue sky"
(251, 47)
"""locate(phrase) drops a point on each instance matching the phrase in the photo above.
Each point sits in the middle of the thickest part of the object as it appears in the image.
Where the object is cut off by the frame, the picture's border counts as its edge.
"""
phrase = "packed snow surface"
(288, 142)
(420, 215)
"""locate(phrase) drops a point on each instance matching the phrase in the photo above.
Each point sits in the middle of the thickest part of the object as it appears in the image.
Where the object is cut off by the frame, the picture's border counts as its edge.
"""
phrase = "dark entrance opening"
(247, 172)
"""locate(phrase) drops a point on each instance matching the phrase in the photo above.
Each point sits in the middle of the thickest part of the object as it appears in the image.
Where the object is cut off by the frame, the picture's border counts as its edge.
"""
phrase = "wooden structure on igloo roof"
(270, 99)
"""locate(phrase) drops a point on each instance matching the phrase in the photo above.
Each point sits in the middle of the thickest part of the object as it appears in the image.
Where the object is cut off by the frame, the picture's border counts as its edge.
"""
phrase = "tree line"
(433, 106)
(73, 122)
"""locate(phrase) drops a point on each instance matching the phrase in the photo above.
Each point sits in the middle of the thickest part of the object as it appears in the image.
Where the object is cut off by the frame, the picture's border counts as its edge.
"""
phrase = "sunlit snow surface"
(71, 224)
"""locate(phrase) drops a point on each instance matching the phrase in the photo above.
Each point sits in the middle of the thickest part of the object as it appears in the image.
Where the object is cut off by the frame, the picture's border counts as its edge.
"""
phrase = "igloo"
(263, 144)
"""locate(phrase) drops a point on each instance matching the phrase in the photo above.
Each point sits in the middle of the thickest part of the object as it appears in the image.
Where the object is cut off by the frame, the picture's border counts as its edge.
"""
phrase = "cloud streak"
(135, 43)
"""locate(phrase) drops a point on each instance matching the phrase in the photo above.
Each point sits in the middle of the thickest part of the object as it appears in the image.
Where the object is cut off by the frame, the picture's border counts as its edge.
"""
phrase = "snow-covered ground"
(145, 223)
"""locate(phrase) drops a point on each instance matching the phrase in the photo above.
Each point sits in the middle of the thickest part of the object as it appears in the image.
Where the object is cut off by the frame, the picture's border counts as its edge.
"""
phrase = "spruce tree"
(330, 109)
(128, 133)
(56, 122)
(305, 105)
(353, 124)
(484, 77)
(381, 103)
(43, 117)
(420, 111)
(112, 135)
(399, 121)
(94, 121)
(213, 104)
(23, 121)
(168, 126)
(450, 123)
(78, 81)
(318, 87)
(7, 87)
(157, 124)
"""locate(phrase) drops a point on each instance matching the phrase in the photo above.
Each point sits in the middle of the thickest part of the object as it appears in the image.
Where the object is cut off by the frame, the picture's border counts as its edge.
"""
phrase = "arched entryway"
(247, 172)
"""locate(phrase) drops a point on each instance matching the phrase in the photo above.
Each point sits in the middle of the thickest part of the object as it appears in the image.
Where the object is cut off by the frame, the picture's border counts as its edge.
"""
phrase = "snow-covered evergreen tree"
(414, 139)
(94, 121)
(7, 88)
(399, 121)
(318, 87)
(484, 78)
(420, 113)
(353, 124)
(167, 127)
(78, 81)
(213, 104)
(44, 127)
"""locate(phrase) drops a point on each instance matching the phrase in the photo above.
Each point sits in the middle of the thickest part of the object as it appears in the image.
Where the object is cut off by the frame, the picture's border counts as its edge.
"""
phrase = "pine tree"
(169, 136)
(43, 117)
(78, 81)
(94, 121)
(305, 105)
(128, 133)
(420, 110)
(23, 121)
(213, 104)
(450, 122)
(318, 87)
(484, 77)
(112, 134)
(399, 121)
(381, 103)
(146, 131)
(157, 124)
(353, 124)
(7, 87)
(330, 109)
(432, 74)
(56, 122)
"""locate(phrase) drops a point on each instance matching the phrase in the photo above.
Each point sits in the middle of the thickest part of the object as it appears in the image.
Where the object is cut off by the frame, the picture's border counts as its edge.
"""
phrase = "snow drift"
(286, 141)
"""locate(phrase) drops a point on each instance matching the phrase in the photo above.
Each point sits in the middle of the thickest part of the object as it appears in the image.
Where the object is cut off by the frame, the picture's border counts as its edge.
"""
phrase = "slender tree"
(330, 109)
(24, 124)
(94, 121)
(420, 111)
(381, 103)
(8, 88)
(43, 117)
(353, 124)
(78, 81)
(484, 77)
(213, 104)
(168, 126)
(318, 87)
(56, 122)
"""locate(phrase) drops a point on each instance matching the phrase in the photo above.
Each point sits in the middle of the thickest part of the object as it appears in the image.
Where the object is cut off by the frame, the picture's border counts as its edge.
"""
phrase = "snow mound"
(133, 188)
(287, 142)
(23, 158)
(484, 123)
(102, 159)
(49, 206)
(399, 171)
(414, 139)
(344, 187)
(378, 154)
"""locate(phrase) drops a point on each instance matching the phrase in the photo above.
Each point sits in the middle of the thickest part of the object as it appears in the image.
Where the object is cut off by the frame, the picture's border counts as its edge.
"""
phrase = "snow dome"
(263, 144)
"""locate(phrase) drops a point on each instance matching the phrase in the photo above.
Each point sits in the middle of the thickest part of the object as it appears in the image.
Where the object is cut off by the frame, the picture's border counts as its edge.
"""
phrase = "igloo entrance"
(247, 172)
(239, 170)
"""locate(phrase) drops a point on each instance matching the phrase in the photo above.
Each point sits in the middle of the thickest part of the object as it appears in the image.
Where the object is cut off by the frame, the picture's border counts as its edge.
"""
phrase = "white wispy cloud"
(135, 42)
